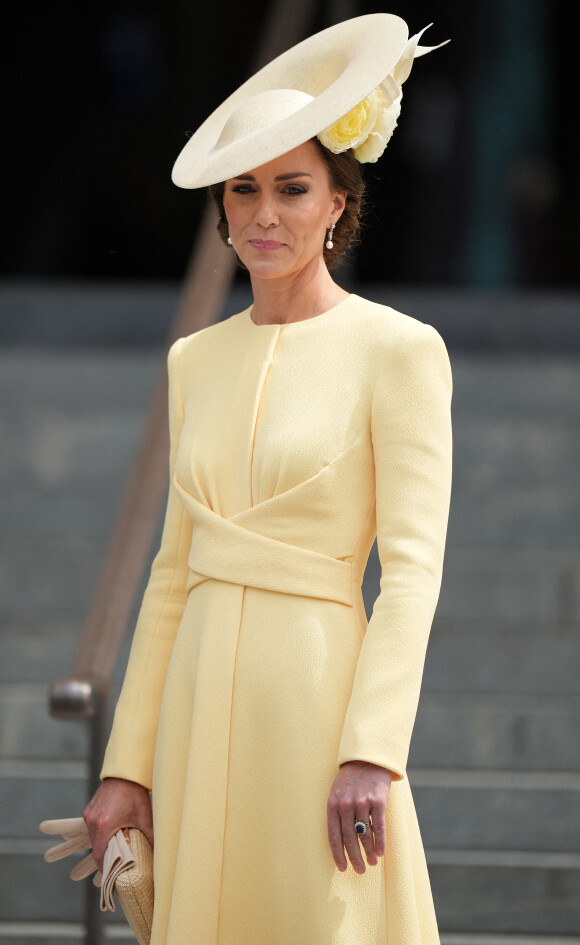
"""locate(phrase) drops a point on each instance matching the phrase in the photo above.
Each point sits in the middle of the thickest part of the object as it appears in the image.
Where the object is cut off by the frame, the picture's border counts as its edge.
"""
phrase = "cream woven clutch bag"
(134, 887)
(127, 870)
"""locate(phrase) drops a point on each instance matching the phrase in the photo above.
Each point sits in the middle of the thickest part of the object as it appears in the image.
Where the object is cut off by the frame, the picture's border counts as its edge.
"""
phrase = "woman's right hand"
(116, 804)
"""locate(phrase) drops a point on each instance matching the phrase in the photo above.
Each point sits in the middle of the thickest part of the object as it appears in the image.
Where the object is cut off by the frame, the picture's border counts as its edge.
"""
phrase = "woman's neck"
(294, 298)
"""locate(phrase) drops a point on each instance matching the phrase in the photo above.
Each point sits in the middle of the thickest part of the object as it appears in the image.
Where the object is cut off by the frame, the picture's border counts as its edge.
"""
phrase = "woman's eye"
(294, 189)
(242, 189)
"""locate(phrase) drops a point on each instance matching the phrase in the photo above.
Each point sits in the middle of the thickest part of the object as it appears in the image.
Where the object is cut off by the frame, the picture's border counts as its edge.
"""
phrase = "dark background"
(478, 186)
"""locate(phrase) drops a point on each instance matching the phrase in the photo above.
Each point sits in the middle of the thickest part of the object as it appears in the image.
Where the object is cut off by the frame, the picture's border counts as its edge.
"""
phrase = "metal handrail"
(84, 694)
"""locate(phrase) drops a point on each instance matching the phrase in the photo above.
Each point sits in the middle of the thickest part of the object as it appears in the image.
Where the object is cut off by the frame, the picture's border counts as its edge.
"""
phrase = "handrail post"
(99, 732)
(87, 700)
(94, 918)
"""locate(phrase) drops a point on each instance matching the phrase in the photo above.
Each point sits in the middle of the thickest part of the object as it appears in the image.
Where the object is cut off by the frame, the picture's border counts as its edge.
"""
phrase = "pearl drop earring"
(229, 241)
(329, 243)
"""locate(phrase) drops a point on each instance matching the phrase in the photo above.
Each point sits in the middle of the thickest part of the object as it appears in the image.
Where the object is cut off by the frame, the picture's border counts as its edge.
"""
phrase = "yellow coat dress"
(253, 674)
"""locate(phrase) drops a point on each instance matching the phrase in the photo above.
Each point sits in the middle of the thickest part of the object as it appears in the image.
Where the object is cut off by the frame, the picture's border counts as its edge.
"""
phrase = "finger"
(379, 829)
(350, 840)
(335, 838)
(65, 849)
(102, 841)
(367, 839)
(67, 827)
(84, 868)
(99, 851)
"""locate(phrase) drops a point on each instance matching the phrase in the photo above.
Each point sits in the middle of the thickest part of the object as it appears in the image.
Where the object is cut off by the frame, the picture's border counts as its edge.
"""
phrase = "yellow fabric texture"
(253, 673)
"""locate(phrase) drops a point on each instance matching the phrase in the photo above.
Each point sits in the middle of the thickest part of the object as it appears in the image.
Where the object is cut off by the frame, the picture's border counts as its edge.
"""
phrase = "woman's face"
(279, 213)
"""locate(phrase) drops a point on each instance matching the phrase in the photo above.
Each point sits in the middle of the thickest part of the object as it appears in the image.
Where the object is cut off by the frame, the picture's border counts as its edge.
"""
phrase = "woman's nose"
(266, 211)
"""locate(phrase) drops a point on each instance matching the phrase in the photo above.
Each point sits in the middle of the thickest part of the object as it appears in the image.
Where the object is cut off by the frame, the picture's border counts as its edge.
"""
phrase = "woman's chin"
(267, 266)
(276, 265)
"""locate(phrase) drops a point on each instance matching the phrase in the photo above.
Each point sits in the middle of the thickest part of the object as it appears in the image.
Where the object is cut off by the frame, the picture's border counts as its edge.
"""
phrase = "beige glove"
(118, 858)
(76, 836)
(74, 832)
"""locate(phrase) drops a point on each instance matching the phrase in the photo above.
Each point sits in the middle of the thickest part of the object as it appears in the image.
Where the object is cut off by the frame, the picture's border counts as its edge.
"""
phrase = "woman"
(271, 724)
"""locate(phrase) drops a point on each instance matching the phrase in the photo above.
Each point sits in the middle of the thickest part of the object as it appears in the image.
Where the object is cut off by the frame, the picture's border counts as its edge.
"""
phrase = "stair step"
(69, 432)
(468, 730)
(498, 810)
(28, 732)
(44, 933)
(506, 622)
(47, 895)
(68, 511)
(515, 452)
(521, 731)
(39, 578)
(501, 892)
(474, 938)
(33, 791)
(34, 652)
(510, 586)
(503, 656)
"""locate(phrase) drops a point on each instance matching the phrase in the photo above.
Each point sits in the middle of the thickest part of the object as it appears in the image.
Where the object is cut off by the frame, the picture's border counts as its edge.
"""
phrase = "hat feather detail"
(412, 51)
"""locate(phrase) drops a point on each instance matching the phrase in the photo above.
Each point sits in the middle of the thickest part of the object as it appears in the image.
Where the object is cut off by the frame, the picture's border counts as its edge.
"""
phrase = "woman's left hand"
(360, 792)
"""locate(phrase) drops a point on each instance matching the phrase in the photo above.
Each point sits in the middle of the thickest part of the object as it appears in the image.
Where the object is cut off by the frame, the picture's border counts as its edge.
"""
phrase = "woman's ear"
(338, 204)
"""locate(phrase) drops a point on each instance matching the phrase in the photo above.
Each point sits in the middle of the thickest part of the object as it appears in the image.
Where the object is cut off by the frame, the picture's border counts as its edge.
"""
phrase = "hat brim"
(339, 67)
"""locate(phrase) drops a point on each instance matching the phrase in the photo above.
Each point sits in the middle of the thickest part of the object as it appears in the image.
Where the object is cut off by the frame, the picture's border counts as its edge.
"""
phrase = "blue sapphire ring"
(360, 827)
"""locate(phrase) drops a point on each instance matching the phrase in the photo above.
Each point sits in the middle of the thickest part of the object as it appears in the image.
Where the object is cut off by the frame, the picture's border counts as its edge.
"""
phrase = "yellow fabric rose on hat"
(371, 149)
(366, 128)
(352, 129)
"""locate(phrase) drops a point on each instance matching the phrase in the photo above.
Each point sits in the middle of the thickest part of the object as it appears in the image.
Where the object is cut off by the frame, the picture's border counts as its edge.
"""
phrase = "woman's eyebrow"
(290, 176)
(294, 174)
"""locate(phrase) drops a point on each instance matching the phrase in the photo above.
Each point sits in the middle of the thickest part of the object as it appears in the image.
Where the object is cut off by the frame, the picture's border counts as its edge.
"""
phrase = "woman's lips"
(266, 245)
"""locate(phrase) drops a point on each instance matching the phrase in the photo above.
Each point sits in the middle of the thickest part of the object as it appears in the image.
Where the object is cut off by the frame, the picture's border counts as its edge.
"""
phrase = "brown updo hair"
(344, 173)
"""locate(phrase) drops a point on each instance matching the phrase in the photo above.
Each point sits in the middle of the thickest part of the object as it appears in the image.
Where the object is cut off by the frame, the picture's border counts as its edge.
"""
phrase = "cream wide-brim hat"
(298, 95)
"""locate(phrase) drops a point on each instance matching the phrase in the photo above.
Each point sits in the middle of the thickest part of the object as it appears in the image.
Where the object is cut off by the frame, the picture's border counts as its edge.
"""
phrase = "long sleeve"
(411, 437)
(131, 746)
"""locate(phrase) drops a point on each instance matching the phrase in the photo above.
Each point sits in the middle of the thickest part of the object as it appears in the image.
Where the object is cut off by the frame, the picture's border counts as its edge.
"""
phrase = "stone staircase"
(70, 423)
(495, 762)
